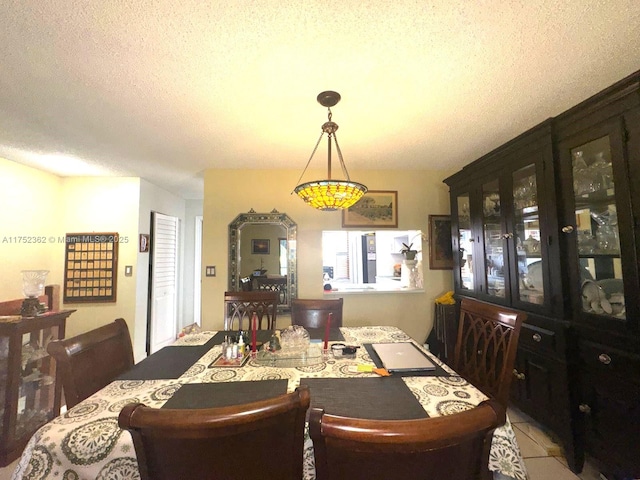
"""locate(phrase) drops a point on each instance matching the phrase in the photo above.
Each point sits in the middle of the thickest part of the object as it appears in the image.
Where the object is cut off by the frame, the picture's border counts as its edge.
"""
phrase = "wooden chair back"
(486, 346)
(262, 439)
(239, 306)
(452, 447)
(278, 284)
(313, 313)
(88, 362)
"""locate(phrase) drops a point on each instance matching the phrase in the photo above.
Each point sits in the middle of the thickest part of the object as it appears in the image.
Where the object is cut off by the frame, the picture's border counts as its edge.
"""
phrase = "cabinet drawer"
(537, 338)
(602, 359)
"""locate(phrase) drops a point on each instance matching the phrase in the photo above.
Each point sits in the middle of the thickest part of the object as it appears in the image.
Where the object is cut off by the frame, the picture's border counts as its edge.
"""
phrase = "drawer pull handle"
(604, 358)
(567, 229)
(507, 236)
(584, 408)
(537, 337)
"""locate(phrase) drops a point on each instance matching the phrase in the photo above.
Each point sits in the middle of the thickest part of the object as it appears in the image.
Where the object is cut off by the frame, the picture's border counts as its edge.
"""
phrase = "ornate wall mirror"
(262, 254)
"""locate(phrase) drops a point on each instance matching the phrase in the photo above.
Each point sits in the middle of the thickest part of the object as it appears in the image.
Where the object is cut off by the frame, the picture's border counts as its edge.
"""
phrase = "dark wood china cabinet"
(29, 393)
(549, 223)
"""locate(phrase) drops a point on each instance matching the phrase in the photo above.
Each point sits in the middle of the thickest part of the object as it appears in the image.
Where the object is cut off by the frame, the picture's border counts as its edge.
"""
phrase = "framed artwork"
(91, 267)
(377, 209)
(440, 249)
(144, 242)
(260, 246)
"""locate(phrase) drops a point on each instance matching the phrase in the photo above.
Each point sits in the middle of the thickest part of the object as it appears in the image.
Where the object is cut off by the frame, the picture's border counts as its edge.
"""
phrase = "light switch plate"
(128, 270)
(210, 271)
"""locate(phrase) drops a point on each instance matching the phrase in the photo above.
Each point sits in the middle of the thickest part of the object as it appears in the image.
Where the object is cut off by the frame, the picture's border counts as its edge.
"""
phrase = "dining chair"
(313, 313)
(452, 447)
(262, 439)
(486, 346)
(239, 306)
(274, 284)
(89, 361)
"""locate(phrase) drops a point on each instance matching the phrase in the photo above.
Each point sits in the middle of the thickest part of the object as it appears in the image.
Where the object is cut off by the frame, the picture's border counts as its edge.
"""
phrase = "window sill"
(370, 289)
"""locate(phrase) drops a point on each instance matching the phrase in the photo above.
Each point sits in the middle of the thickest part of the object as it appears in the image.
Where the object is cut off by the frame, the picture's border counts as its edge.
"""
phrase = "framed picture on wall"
(377, 208)
(440, 249)
(260, 246)
(91, 267)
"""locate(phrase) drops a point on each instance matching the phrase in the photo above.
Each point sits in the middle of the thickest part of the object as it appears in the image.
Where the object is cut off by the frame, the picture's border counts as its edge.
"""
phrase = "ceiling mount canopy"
(330, 194)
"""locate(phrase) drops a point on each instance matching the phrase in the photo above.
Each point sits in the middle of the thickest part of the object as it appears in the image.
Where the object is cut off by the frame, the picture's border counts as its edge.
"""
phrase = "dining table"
(85, 442)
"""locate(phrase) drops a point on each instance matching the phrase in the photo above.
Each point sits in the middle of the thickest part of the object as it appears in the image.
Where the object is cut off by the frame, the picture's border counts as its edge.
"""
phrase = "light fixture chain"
(344, 167)
(311, 157)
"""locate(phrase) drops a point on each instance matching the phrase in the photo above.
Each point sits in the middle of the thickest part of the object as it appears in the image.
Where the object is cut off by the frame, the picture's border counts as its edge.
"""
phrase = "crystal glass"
(527, 233)
(33, 282)
(493, 240)
(294, 339)
(465, 245)
(599, 259)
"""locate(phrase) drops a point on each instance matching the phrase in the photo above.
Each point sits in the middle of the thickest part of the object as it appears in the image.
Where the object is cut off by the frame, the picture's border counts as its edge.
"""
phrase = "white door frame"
(197, 272)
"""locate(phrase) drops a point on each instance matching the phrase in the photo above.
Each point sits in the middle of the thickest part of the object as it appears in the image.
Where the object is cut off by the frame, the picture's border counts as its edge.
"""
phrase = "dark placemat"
(438, 372)
(167, 363)
(261, 336)
(335, 335)
(380, 398)
(210, 395)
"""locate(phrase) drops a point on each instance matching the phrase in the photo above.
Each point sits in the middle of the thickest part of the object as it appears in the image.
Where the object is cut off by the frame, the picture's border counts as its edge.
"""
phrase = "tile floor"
(536, 448)
(542, 457)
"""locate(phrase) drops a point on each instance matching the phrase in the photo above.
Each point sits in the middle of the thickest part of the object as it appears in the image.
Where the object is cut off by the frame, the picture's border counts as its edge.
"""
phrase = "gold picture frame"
(376, 209)
(440, 247)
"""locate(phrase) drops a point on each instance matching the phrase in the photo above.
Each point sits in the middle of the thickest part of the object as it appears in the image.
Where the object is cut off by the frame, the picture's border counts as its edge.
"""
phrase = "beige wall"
(30, 206)
(230, 192)
(38, 204)
(104, 205)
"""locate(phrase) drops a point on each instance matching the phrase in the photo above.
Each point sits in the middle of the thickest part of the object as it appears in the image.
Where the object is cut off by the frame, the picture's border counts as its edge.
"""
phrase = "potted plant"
(408, 253)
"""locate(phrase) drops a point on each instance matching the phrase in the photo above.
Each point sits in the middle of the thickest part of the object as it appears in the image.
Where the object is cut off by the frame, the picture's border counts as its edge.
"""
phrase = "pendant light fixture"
(330, 194)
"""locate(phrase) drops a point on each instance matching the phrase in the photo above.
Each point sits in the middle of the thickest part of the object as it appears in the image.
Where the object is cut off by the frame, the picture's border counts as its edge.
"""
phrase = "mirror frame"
(235, 236)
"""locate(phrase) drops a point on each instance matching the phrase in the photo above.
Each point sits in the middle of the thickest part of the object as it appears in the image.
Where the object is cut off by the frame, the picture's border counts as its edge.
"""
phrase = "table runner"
(262, 336)
(213, 395)
(382, 398)
(335, 335)
(168, 362)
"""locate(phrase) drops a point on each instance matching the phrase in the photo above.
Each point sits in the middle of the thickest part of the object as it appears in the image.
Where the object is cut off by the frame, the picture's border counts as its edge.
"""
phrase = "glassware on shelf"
(465, 245)
(531, 245)
(587, 243)
(581, 181)
(607, 236)
(602, 171)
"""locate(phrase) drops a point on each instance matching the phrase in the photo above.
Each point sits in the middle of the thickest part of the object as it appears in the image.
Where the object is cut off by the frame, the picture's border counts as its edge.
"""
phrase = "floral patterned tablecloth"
(86, 442)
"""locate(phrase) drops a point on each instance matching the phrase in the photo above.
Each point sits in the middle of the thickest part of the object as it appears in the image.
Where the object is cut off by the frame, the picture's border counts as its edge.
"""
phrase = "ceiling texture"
(165, 89)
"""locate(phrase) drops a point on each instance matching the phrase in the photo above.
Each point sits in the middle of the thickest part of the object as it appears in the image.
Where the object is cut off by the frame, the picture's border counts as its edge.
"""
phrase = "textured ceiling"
(167, 89)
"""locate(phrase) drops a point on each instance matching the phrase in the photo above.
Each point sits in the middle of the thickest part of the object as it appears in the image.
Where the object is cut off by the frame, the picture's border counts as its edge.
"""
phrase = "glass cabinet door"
(530, 285)
(494, 252)
(465, 243)
(598, 245)
(36, 393)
